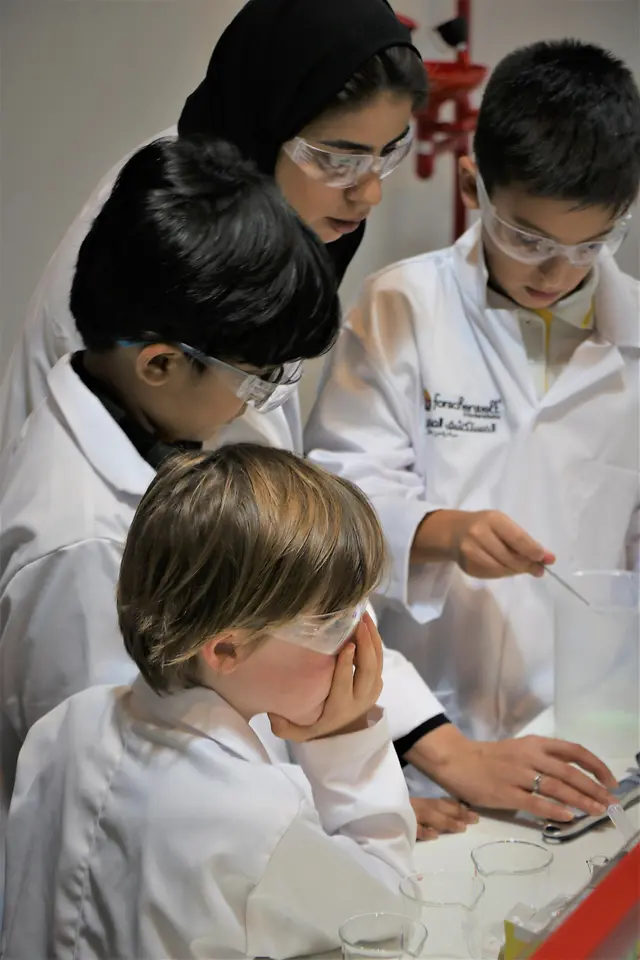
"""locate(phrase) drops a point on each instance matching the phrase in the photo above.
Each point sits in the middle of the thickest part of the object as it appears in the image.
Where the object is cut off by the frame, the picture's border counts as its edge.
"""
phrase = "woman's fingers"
(570, 786)
(538, 806)
(574, 753)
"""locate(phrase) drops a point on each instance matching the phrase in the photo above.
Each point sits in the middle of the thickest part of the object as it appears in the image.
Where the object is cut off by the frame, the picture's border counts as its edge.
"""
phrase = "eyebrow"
(527, 225)
(362, 147)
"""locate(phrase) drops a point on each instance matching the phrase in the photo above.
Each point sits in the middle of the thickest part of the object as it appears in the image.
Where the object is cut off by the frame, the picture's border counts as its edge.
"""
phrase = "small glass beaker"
(513, 872)
(597, 863)
(447, 904)
(382, 936)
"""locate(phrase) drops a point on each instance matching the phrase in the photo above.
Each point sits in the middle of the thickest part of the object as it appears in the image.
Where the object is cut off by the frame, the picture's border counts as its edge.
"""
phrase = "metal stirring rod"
(563, 583)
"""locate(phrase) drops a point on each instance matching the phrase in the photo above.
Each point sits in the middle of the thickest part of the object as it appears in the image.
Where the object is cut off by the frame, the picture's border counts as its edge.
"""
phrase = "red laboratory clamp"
(450, 82)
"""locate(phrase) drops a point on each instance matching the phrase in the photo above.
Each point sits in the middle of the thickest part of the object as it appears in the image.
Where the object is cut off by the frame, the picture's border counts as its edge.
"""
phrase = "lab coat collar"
(617, 305)
(96, 433)
(202, 712)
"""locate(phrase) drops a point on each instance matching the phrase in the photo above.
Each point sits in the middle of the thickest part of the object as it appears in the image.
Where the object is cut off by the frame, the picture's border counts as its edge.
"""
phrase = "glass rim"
(626, 574)
(459, 875)
(407, 921)
(515, 872)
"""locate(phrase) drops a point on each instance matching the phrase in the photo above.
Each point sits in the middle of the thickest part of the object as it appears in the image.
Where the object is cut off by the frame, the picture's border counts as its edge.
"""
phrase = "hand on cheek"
(353, 691)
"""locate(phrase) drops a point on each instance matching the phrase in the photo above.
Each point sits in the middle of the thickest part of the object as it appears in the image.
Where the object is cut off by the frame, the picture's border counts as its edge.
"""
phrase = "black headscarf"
(277, 66)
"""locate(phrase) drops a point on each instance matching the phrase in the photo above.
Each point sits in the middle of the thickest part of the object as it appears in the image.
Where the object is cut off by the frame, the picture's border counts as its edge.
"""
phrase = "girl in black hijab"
(319, 93)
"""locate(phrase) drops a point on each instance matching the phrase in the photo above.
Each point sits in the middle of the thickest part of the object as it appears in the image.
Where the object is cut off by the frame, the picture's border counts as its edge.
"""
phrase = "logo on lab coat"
(453, 416)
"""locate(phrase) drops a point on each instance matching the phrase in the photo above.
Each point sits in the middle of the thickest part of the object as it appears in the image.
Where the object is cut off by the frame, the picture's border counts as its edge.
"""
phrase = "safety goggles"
(264, 392)
(324, 634)
(532, 248)
(345, 170)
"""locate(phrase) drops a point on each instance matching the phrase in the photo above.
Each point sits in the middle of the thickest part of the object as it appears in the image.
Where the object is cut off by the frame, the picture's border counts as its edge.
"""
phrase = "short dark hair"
(397, 70)
(195, 245)
(562, 118)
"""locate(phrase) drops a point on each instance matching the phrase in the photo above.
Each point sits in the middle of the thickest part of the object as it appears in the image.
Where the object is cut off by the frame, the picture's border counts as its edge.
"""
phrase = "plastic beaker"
(382, 936)
(514, 872)
(597, 663)
(447, 904)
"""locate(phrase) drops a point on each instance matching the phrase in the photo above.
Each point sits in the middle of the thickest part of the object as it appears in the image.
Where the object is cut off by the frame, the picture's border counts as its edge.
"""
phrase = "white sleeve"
(406, 699)
(344, 857)
(368, 425)
(59, 634)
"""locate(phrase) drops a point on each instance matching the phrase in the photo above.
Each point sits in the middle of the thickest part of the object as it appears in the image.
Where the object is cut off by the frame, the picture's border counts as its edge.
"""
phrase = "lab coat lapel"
(497, 331)
(617, 312)
(592, 362)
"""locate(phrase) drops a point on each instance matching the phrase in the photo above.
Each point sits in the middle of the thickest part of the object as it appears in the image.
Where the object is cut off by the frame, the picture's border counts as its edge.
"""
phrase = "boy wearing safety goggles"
(197, 291)
(485, 397)
(241, 593)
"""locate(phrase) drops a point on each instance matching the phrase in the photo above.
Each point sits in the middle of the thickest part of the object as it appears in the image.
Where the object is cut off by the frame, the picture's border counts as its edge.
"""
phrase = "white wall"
(83, 81)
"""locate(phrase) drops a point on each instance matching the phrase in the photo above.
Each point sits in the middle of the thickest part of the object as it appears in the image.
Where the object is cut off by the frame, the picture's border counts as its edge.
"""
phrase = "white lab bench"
(569, 870)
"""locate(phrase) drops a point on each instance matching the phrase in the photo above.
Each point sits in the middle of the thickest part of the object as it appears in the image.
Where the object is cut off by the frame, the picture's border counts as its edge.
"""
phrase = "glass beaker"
(597, 863)
(382, 936)
(597, 663)
(513, 872)
(447, 904)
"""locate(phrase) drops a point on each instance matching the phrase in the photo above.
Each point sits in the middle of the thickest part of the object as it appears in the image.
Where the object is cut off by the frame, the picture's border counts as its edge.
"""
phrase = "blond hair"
(242, 538)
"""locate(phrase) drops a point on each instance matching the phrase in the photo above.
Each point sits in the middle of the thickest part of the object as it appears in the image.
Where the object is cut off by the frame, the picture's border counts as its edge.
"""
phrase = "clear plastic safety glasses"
(345, 170)
(533, 248)
(264, 392)
(324, 634)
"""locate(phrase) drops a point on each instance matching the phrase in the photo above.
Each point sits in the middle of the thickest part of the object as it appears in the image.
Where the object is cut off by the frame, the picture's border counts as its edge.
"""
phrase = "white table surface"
(569, 871)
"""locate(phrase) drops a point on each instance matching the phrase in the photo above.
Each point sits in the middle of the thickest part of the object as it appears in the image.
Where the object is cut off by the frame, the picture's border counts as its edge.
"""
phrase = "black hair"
(562, 118)
(397, 70)
(194, 245)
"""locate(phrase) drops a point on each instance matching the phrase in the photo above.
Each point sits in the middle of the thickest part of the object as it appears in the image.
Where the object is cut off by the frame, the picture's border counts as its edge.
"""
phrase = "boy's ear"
(468, 172)
(220, 654)
(155, 362)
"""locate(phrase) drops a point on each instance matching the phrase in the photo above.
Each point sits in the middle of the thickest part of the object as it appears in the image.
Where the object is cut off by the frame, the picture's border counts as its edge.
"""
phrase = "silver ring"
(537, 780)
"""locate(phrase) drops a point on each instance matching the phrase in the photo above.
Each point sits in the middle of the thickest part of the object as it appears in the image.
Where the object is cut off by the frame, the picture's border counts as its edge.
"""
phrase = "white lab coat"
(146, 826)
(563, 465)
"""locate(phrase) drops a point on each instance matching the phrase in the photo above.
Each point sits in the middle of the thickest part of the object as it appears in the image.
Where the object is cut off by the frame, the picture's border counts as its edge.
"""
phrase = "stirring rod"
(563, 583)
(621, 821)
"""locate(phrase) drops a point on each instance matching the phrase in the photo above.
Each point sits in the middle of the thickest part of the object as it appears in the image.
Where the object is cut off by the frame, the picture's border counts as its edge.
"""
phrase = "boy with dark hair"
(486, 398)
(197, 291)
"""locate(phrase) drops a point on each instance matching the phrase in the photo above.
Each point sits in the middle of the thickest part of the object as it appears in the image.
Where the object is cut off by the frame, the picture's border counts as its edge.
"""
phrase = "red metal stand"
(449, 81)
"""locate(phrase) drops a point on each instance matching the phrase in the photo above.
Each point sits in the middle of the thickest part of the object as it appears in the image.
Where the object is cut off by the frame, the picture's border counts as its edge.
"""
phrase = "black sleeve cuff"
(404, 744)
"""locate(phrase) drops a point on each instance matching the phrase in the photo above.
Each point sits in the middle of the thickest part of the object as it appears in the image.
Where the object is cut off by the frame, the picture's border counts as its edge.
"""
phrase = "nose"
(555, 270)
(367, 192)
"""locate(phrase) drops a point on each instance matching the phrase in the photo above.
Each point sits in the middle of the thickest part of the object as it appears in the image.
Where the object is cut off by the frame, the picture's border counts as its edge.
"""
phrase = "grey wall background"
(84, 81)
